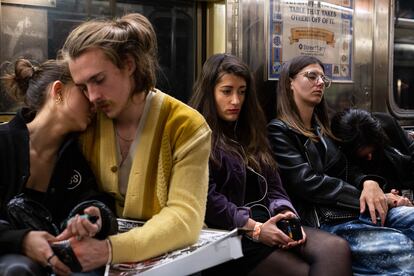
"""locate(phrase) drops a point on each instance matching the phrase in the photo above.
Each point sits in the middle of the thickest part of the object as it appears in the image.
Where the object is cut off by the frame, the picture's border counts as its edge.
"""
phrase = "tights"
(322, 254)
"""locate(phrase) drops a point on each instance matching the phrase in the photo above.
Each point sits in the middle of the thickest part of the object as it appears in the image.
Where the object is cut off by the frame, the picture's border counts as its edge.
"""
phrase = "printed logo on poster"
(344, 71)
(315, 50)
(277, 16)
(277, 41)
(276, 67)
(335, 72)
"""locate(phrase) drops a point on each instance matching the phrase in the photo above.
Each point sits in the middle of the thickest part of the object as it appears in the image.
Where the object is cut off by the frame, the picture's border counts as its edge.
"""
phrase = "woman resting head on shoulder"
(48, 89)
(245, 190)
(41, 165)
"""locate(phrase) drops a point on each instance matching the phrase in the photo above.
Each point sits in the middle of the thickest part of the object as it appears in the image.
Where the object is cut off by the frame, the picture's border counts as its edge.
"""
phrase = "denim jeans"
(378, 250)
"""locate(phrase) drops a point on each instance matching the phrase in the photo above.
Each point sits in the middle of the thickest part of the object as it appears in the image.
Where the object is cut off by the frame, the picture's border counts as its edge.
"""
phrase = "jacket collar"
(26, 115)
(23, 116)
(315, 126)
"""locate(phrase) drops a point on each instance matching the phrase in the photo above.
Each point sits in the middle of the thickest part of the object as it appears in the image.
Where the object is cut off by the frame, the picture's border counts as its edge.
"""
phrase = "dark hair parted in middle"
(249, 131)
(287, 109)
(357, 128)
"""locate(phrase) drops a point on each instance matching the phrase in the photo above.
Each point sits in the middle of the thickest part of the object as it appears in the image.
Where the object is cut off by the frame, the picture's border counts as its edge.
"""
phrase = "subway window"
(403, 71)
(37, 29)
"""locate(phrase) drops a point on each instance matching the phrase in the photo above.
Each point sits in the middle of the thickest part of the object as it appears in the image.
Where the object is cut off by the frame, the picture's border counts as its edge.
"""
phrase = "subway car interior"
(376, 55)
(366, 46)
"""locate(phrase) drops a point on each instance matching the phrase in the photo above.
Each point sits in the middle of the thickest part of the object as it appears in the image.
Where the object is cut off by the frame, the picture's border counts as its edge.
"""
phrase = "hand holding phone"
(291, 227)
(64, 252)
(76, 226)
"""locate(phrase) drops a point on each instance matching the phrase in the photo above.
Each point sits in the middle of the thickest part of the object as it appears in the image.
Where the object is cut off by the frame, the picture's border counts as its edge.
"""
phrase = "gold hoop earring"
(58, 99)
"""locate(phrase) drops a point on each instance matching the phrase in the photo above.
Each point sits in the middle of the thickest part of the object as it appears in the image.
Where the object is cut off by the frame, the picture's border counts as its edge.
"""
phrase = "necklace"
(122, 138)
(124, 146)
(124, 154)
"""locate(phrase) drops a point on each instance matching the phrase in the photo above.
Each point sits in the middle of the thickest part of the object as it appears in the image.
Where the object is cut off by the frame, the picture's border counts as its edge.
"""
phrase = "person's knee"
(325, 243)
(335, 245)
(341, 247)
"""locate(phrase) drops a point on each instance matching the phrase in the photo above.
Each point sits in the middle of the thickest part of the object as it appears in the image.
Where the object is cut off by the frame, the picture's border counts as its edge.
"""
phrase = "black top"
(71, 183)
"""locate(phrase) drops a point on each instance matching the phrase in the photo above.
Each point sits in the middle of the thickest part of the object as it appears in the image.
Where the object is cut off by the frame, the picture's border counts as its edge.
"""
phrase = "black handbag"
(334, 214)
(24, 213)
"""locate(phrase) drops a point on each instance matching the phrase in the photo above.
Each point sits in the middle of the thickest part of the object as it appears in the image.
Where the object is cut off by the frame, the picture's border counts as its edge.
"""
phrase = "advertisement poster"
(323, 29)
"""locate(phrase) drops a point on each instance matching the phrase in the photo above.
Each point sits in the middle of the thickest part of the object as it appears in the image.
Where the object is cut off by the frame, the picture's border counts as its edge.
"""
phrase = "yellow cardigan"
(168, 181)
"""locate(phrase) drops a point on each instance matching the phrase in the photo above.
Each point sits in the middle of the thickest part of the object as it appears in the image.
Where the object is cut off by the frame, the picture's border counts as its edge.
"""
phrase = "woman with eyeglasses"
(245, 190)
(328, 191)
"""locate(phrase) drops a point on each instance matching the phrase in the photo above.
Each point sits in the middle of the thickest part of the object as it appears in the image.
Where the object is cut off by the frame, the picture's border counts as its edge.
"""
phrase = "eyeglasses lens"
(312, 76)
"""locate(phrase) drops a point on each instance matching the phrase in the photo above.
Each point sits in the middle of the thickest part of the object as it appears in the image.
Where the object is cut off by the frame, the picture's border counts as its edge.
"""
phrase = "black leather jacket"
(315, 175)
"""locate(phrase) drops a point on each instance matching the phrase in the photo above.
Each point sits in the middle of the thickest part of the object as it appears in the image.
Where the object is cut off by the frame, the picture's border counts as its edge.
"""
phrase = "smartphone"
(291, 227)
(64, 252)
(92, 219)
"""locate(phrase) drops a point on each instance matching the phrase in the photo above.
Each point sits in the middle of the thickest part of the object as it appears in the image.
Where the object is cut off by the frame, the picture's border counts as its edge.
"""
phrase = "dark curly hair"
(357, 128)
